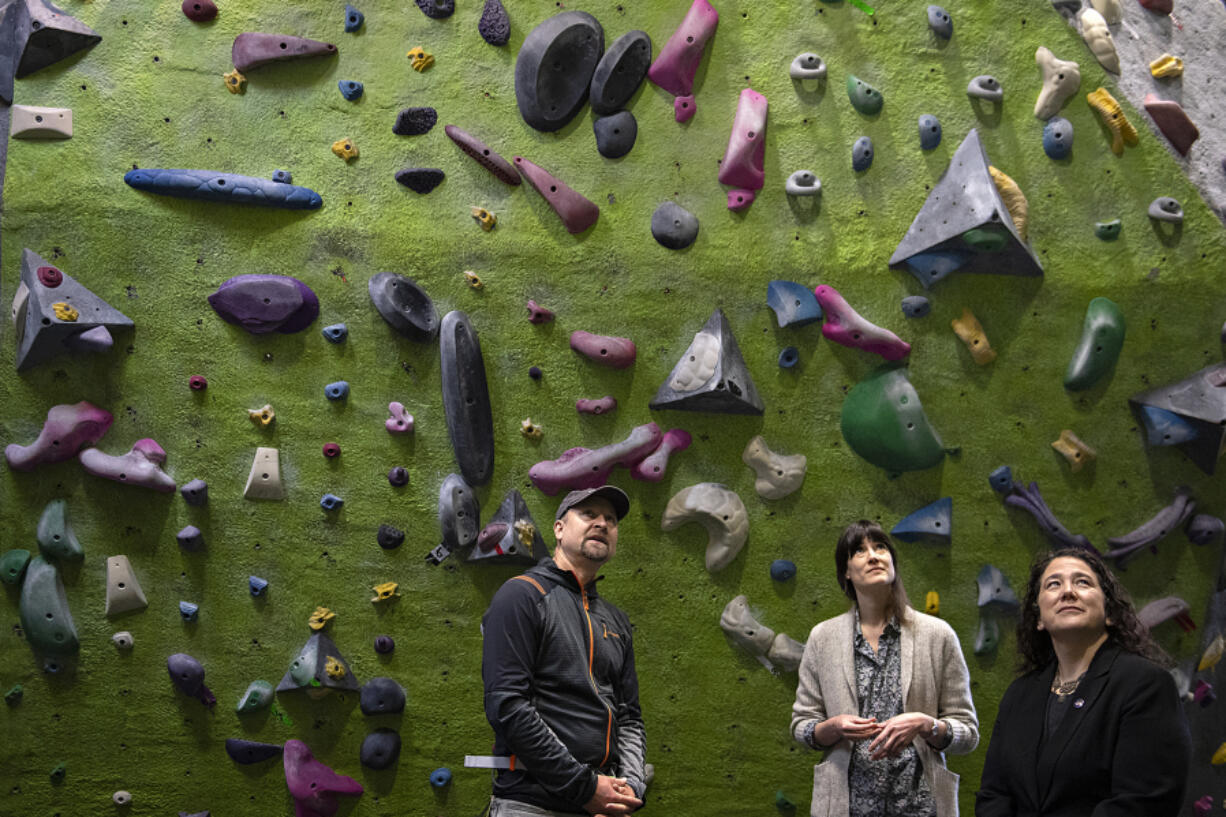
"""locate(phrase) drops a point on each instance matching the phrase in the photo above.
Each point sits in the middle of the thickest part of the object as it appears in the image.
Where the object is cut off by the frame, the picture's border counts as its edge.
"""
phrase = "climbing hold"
(188, 611)
(351, 89)
(251, 50)
(803, 183)
(389, 538)
(195, 493)
(743, 629)
(121, 797)
(615, 134)
(382, 696)
(123, 591)
(420, 180)
(535, 373)
(256, 586)
(883, 422)
(335, 333)
(777, 474)
(862, 154)
(1165, 208)
(1165, 521)
(1109, 9)
(380, 749)
(987, 635)
(743, 165)
(603, 405)
(266, 303)
(466, 400)
(864, 98)
(440, 777)
(579, 468)
(576, 212)
(236, 83)
(1166, 66)
(1015, 203)
(56, 539)
(970, 332)
(66, 429)
(228, 188)
(190, 538)
(932, 603)
(199, 11)
(620, 72)
(264, 479)
(614, 352)
(1109, 111)
(794, 304)
(711, 375)
(530, 429)
(652, 467)
(717, 509)
(473, 279)
(401, 422)
(986, 87)
(789, 356)
(495, 24)
(485, 218)
(14, 695)
(415, 121)
(915, 306)
(1204, 529)
(122, 640)
(807, 66)
(538, 314)
(929, 132)
(677, 63)
(1102, 337)
(386, 591)
(554, 69)
(353, 19)
(58, 773)
(197, 382)
(940, 22)
(1195, 415)
(337, 391)
(419, 59)
(1061, 79)
(995, 592)
(263, 416)
(458, 512)
(319, 668)
(13, 565)
(1173, 121)
(247, 752)
(1213, 653)
(345, 148)
(65, 312)
(44, 612)
(398, 477)
(783, 570)
(1097, 36)
(1058, 137)
(1074, 450)
(30, 122)
(1158, 6)
(142, 466)
(384, 644)
(511, 536)
(1163, 610)
(313, 785)
(481, 153)
(1029, 499)
(847, 327)
(673, 226)
(41, 35)
(436, 9)
(187, 674)
(931, 523)
(404, 305)
(320, 617)
(331, 502)
(1108, 230)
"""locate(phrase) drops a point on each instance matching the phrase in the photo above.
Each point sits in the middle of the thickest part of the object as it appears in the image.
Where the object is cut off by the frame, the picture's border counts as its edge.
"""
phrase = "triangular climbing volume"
(44, 35)
(711, 376)
(1190, 415)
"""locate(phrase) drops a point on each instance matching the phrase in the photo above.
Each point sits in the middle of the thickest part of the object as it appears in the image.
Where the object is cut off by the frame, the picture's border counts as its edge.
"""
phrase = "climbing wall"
(151, 95)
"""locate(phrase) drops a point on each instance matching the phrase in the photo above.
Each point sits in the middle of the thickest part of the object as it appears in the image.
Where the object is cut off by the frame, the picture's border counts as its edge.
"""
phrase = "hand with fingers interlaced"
(613, 796)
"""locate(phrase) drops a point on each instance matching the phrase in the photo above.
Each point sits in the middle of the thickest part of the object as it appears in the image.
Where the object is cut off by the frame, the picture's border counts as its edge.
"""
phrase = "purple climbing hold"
(66, 429)
(190, 538)
(195, 493)
(398, 476)
(1030, 500)
(617, 353)
(437, 9)
(1165, 521)
(538, 313)
(495, 24)
(846, 326)
(579, 468)
(142, 466)
(420, 180)
(415, 121)
(603, 405)
(197, 382)
(188, 676)
(247, 752)
(577, 212)
(331, 450)
(651, 468)
(199, 11)
(743, 165)
(266, 303)
(384, 644)
(484, 155)
(535, 372)
(313, 785)
(401, 422)
(675, 67)
(251, 50)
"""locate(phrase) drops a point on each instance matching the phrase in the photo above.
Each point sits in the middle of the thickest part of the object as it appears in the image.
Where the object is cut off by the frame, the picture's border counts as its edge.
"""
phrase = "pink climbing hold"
(1173, 121)
(602, 405)
(652, 468)
(491, 535)
(401, 422)
(617, 353)
(538, 313)
(66, 429)
(677, 63)
(846, 326)
(313, 785)
(581, 468)
(743, 164)
(577, 212)
(142, 466)
(1204, 806)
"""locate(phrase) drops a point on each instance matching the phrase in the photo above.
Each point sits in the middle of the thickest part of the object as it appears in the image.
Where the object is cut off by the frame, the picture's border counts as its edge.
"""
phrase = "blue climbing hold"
(337, 391)
(282, 177)
(210, 185)
(782, 570)
(336, 333)
(788, 357)
(929, 130)
(1001, 479)
(1058, 137)
(862, 154)
(330, 502)
(794, 304)
(931, 523)
(915, 306)
(353, 19)
(256, 585)
(933, 266)
(351, 89)
(1164, 427)
(188, 610)
(440, 777)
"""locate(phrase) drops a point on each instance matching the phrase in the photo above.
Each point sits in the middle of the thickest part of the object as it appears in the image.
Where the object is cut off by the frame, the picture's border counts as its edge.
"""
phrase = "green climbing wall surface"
(151, 94)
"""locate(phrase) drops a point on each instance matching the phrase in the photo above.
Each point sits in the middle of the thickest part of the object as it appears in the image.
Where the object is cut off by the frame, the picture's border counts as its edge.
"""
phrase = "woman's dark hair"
(1123, 627)
(849, 541)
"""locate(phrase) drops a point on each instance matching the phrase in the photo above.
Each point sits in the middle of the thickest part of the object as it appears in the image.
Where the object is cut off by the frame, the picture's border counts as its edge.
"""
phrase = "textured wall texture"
(151, 95)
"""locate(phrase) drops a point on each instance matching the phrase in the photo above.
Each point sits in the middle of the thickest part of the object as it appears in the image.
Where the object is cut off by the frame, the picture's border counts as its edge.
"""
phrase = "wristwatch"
(935, 724)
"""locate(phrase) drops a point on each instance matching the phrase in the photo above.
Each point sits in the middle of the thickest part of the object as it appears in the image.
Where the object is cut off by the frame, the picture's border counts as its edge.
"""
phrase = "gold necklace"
(1066, 688)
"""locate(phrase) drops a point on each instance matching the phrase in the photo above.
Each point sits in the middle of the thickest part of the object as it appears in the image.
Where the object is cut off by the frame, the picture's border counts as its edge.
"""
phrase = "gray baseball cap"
(615, 495)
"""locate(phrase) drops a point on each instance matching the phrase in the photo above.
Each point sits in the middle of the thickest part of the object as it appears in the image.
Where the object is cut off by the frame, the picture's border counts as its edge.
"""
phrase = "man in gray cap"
(560, 687)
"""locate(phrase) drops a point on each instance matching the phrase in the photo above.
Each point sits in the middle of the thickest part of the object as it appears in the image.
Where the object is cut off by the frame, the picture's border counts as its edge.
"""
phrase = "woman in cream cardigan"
(885, 692)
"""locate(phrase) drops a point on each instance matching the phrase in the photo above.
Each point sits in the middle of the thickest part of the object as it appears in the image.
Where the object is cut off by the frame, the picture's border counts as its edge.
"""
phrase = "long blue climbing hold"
(931, 523)
(1164, 427)
(794, 304)
(228, 188)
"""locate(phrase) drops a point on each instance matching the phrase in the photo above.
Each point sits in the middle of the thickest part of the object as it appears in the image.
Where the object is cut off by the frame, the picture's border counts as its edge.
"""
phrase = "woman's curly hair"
(1123, 627)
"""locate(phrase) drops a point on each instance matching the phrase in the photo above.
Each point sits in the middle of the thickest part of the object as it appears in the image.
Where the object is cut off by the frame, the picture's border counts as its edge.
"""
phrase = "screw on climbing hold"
(419, 59)
(236, 83)
(345, 148)
(485, 218)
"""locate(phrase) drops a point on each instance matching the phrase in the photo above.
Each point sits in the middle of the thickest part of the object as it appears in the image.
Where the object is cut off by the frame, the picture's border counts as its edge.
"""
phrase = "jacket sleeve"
(631, 737)
(954, 705)
(995, 797)
(511, 629)
(1153, 750)
(809, 708)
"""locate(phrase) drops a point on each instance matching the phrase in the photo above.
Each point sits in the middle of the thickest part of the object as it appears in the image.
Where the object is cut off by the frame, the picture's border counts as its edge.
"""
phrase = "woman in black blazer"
(1094, 726)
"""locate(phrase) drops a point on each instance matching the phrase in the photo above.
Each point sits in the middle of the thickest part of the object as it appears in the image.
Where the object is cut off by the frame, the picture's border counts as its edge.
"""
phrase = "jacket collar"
(548, 567)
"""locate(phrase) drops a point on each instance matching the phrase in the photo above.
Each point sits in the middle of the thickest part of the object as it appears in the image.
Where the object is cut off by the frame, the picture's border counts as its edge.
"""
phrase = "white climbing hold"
(778, 474)
(717, 509)
(264, 481)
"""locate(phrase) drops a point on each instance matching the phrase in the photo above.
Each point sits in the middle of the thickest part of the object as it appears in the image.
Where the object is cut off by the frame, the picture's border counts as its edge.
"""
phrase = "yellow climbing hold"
(1074, 450)
(485, 218)
(419, 59)
(320, 618)
(474, 280)
(1014, 199)
(385, 591)
(236, 83)
(1166, 66)
(65, 311)
(1219, 757)
(932, 603)
(345, 148)
(334, 668)
(1108, 109)
(530, 429)
(262, 417)
(526, 532)
(1213, 654)
(970, 331)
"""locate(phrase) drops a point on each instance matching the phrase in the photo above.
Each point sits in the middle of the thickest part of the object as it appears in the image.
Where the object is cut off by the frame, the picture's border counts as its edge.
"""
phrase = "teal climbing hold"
(864, 98)
(931, 523)
(45, 617)
(883, 421)
(55, 537)
(13, 565)
(1102, 337)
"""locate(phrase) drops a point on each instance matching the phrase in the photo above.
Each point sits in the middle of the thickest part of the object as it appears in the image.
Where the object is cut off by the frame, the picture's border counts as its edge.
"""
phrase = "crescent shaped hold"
(717, 509)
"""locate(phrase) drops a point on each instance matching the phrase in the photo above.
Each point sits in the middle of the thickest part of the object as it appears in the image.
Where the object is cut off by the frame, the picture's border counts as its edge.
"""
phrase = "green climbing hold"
(884, 422)
(983, 239)
(864, 98)
(1102, 336)
(44, 611)
(57, 774)
(258, 695)
(13, 696)
(13, 566)
(55, 537)
(1108, 230)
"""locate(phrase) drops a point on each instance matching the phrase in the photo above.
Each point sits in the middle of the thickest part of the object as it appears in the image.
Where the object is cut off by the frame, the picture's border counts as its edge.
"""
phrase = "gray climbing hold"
(803, 183)
(382, 696)
(1204, 529)
(940, 22)
(986, 87)
(495, 24)
(915, 306)
(995, 592)
(55, 537)
(615, 134)
(807, 66)
(247, 752)
(1058, 137)
(415, 121)
(673, 226)
(253, 49)
(189, 610)
(458, 512)
(258, 696)
(437, 9)
(620, 72)
(187, 674)
(511, 536)
(404, 305)
(711, 375)
(389, 537)
(466, 398)
(794, 304)
(1165, 208)
(195, 493)
(1200, 401)
(420, 180)
(122, 640)
(862, 154)
(190, 538)
(38, 35)
(380, 749)
(554, 69)
(929, 132)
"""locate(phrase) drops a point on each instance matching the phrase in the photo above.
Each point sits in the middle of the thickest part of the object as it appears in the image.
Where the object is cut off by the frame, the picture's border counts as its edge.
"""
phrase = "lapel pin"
(1080, 702)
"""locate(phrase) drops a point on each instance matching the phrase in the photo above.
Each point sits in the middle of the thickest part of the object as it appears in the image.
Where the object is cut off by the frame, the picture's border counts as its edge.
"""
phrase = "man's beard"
(593, 552)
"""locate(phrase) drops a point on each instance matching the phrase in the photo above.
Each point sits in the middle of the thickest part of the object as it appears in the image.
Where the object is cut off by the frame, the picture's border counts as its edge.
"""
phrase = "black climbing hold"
(414, 121)
(620, 72)
(404, 305)
(437, 9)
(494, 25)
(420, 179)
(615, 134)
(555, 67)
(381, 748)
(466, 398)
(390, 537)
(674, 226)
(381, 696)
(250, 751)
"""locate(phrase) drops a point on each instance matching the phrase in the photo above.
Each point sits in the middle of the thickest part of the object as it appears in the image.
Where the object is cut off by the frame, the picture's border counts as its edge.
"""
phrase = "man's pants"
(500, 807)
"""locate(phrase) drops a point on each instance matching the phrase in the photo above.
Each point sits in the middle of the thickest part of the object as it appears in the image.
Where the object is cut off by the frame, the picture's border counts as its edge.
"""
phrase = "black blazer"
(1125, 750)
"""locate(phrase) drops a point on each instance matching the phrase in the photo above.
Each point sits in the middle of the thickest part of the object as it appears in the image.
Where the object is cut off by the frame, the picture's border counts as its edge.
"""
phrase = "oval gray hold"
(615, 134)
(620, 72)
(382, 696)
(554, 68)
(466, 398)
(380, 749)
(986, 87)
(915, 306)
(940, 22)
(862, 154)
(404, 305)
(674, 226)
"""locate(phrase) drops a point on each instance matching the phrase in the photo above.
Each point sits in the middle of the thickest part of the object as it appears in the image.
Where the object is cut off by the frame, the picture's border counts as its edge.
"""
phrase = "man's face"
(588, 530)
